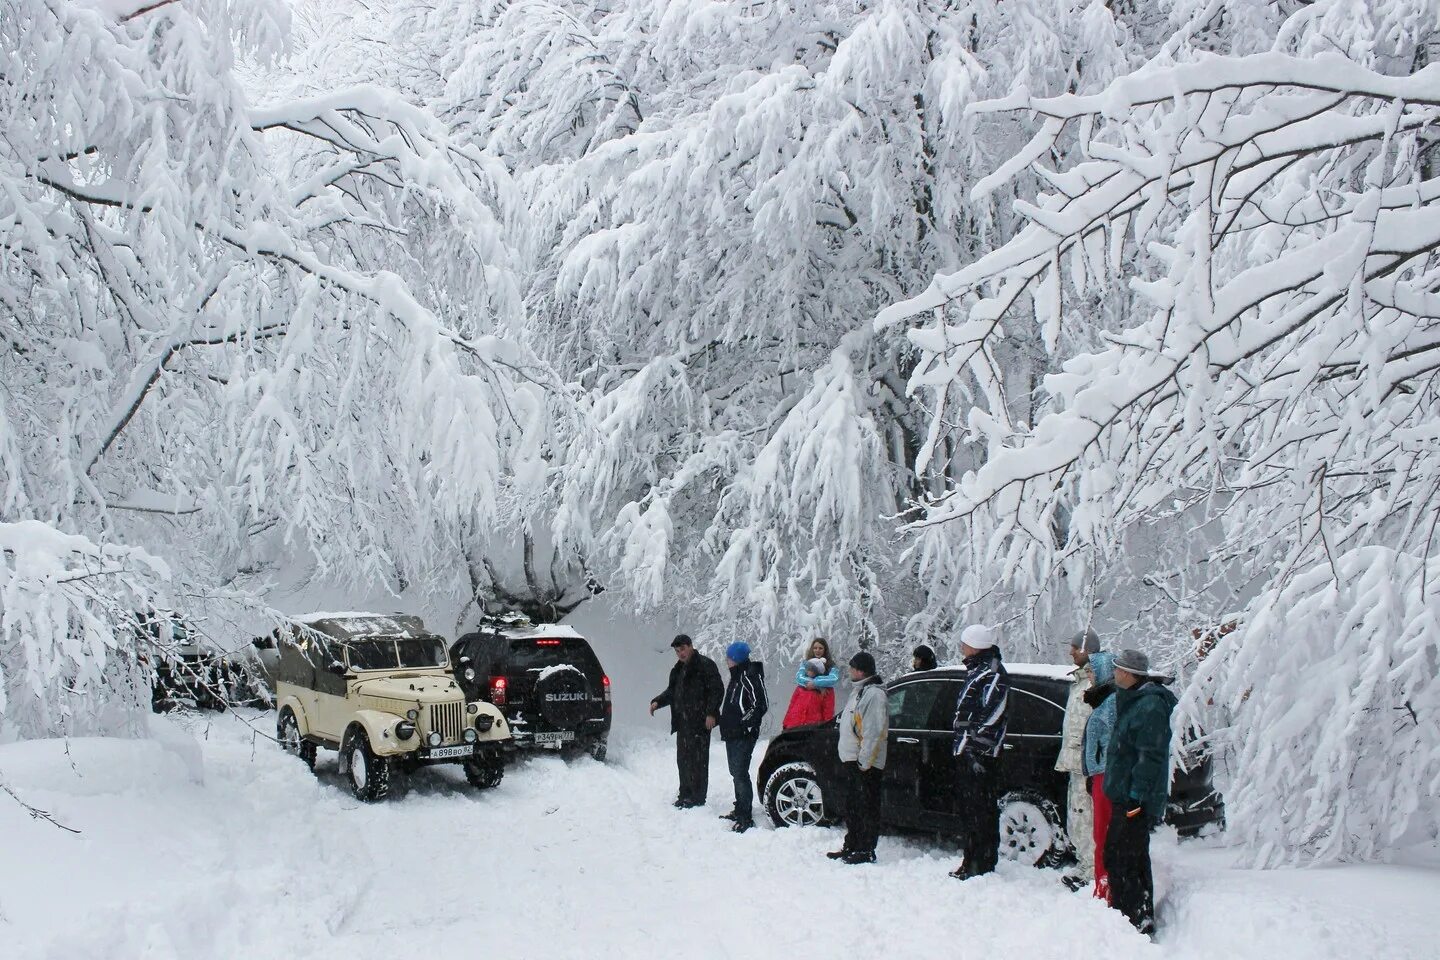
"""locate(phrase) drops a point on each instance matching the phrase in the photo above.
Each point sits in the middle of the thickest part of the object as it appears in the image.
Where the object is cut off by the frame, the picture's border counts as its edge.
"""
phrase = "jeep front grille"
(448, 719)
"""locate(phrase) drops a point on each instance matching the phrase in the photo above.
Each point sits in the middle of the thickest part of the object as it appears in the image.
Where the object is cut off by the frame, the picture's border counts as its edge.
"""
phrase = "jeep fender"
(377, 725)
(499, 730)
(297, 708)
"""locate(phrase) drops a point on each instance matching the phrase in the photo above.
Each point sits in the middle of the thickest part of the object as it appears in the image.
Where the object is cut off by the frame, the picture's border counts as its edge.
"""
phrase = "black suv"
(545, 678)
(799, 780)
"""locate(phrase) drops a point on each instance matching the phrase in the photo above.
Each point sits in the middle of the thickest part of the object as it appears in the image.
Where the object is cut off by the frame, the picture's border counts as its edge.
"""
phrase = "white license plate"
(558, 736)
(446, 753)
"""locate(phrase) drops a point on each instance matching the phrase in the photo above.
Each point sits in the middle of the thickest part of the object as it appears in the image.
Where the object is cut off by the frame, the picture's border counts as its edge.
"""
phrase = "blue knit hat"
(739, 651)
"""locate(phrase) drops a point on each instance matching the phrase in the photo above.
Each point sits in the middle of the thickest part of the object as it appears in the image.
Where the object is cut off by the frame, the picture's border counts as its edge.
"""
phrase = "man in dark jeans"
(980, 722)
(864, 733)
(693, 696)
(740, 715)
(1137, 781)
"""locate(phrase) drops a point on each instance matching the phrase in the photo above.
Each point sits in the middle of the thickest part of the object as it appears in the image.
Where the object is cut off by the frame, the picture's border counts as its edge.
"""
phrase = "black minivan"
(545, 678)
(799, 780)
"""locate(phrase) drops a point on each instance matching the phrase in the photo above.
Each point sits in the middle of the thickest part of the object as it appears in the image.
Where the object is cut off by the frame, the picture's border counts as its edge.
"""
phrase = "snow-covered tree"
(1274, 403)
(720, 197)
(220, 323)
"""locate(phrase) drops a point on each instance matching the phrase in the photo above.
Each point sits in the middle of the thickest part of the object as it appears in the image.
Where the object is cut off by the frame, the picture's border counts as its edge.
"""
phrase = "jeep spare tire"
(562, 696)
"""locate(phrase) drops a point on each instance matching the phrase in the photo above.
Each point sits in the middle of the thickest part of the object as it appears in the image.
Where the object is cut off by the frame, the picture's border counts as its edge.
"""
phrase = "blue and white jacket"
(745, 702)
(980, 710)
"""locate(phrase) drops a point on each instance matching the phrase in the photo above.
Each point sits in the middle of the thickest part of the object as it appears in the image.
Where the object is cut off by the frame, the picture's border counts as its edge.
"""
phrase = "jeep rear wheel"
(485, 774)
(287, 732)
(368, 774)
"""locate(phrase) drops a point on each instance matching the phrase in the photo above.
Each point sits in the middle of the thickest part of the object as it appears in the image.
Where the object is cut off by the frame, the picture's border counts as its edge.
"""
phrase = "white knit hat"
(978, 636)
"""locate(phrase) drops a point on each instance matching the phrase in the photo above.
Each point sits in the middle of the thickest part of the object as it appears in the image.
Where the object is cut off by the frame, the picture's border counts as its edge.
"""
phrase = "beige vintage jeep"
(378, 689)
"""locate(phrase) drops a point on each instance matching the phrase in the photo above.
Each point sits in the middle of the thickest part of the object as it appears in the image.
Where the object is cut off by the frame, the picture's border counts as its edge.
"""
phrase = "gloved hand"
(977, 768)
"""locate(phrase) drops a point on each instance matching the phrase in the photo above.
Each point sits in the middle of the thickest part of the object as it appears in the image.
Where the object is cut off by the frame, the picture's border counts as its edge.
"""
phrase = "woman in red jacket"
(814, 698)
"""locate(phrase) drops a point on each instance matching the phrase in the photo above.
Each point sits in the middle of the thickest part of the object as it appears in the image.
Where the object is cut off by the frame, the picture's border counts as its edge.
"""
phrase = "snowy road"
(570, 861)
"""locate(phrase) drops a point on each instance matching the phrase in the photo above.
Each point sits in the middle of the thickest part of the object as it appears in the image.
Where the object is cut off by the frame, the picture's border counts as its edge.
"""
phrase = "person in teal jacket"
(1137, 781)
(813, 700)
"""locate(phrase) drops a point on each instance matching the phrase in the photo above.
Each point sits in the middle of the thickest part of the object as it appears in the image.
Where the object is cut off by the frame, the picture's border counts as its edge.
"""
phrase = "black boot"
(840, 854)
(859, 856)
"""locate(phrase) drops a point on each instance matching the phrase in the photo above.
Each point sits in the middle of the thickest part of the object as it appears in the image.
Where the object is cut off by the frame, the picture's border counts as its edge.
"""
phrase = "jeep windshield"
(394, 653)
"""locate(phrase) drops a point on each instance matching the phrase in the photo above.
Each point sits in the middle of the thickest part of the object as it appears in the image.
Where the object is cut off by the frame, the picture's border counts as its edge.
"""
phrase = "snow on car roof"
(556, 630)
(1050, 671)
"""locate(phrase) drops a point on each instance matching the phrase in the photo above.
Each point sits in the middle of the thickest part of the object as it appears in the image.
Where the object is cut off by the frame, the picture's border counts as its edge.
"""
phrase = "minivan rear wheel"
(1032, 831)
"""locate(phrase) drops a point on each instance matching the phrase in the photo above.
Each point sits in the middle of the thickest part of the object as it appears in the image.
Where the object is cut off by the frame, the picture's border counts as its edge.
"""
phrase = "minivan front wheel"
(793, 797)
(1032, 831)
(369, 775)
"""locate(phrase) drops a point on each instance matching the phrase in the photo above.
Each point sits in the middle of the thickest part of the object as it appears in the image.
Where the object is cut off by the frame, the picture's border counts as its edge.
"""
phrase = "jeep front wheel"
(369, 775)
(287, 732)
(484, 774)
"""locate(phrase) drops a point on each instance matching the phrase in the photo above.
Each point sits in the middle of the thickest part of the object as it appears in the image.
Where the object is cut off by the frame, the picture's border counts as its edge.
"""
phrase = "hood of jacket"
(1102, 665)
(1136, 694)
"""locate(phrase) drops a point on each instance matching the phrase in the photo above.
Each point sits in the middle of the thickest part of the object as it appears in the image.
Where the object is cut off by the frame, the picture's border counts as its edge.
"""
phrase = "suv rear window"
(537, 654)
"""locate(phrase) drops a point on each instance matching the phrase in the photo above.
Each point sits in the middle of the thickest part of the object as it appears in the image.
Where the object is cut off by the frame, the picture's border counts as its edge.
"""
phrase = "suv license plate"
(446, 753)
(558, 736)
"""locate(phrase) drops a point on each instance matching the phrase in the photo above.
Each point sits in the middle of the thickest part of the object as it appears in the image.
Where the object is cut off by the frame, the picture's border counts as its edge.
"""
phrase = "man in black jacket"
(693, 697)
(740, 715)
(979, 737)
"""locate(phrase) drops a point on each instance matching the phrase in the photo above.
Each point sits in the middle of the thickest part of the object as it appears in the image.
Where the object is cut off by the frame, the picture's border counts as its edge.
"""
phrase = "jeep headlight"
(470, 735)
(412, 714)
(435, 739)
(404, 730)
(484, 722)
(472, 708)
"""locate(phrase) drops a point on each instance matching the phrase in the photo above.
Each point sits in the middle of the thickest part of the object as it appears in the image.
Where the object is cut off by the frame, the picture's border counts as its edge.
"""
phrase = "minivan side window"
(910, 704)
(1031, 715)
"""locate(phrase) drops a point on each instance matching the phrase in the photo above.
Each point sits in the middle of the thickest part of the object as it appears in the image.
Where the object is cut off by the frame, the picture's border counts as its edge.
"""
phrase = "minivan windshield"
(391, 653)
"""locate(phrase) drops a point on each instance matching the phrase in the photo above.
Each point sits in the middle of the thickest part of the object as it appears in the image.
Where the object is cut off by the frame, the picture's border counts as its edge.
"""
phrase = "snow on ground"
(579, 860)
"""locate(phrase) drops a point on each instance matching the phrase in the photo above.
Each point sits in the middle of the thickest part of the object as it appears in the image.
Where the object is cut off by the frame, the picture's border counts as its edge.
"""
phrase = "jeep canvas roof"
(343, 626)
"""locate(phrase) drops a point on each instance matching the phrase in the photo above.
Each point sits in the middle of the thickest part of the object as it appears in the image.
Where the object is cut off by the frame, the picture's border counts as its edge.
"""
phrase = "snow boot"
(858, 856)
(840, 854)
(742, 825)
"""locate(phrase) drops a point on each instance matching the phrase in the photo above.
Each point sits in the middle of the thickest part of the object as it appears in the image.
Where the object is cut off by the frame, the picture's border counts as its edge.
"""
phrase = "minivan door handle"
(906, 740)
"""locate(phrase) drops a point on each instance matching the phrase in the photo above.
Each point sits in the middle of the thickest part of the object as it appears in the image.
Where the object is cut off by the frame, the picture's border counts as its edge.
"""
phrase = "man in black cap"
(1137, 781)
(864, 730)
(693, 696)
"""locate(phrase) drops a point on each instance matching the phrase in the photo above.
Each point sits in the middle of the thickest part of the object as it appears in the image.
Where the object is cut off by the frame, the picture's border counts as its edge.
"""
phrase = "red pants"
(1102, 828)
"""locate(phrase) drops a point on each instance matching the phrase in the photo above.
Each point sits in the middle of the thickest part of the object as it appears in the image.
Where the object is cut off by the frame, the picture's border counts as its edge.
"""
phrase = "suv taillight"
(497, 691)
(605, 682)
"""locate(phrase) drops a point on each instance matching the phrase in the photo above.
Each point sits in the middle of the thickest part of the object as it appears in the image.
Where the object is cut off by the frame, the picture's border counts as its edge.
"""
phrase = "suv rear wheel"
(1032, 831)
(485, 774)
(369, 775)
(793, 797)
(287, 732)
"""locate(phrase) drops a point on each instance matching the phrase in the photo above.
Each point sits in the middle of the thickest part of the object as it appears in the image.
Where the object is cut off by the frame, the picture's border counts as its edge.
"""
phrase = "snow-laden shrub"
(1272, 402)
(1328, 697)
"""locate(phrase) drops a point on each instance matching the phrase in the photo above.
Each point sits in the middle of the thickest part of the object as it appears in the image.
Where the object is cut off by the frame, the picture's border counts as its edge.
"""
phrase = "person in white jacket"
(1080, 820)
(864, 732)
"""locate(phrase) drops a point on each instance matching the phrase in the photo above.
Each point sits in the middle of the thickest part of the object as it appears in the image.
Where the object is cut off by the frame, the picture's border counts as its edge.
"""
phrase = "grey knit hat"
(1133, 661)
(1087, 640)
